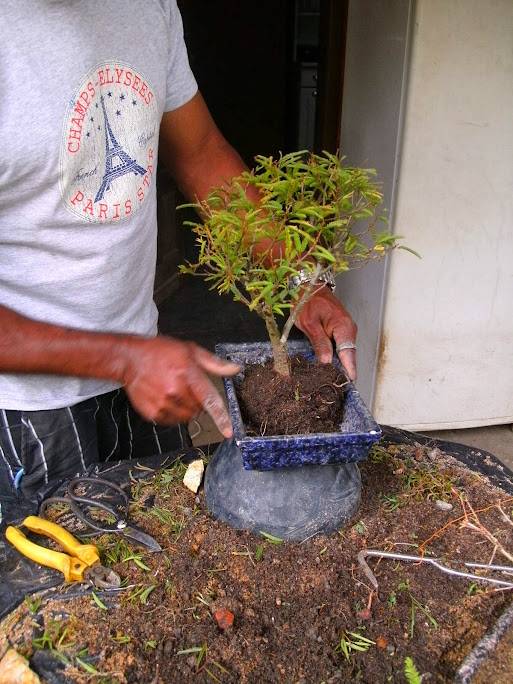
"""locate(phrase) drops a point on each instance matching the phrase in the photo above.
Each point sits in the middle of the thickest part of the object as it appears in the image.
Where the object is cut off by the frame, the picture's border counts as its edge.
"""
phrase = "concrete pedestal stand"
(289, 503)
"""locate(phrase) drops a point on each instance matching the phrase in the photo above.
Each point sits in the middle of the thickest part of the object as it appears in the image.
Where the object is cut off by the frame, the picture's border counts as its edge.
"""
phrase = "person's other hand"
(167, 381)
(323, 319)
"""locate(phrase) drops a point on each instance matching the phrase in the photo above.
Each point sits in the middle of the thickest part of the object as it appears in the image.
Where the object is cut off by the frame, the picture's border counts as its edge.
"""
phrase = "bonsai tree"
(316, 218)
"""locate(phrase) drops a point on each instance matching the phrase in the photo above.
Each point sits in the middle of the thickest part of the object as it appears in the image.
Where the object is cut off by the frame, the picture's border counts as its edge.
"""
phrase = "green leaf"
(412, 674)
(137, 560)
(299, 222)
(99, 603)
(385, 238)
(257, 284)
(357, 647)
(322, 253)
(271, 539)
(360, 637)
(408, 249)
(86, 666)
(339, 223)
(145, 594)
(351, 243)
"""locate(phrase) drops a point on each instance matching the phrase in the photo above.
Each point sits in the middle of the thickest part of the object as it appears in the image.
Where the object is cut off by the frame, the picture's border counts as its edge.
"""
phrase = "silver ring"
(345, 345)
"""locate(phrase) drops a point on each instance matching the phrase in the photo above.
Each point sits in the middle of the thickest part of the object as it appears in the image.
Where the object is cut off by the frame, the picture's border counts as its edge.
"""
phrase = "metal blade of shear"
(140, 538)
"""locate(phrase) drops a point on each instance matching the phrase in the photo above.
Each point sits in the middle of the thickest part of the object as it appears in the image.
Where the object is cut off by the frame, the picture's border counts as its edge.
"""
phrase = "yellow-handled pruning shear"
(81, 565)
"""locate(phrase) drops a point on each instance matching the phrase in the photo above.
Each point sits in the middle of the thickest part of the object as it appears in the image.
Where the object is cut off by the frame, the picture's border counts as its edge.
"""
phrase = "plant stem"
(280, 356)
(302, 301)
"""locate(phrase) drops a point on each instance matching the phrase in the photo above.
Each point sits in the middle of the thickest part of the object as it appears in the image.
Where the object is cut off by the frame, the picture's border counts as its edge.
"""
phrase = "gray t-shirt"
(83, 88)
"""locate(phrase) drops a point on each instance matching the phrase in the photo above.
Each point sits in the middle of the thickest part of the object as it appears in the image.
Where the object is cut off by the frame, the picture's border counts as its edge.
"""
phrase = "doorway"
(254, 60)
(271, 73)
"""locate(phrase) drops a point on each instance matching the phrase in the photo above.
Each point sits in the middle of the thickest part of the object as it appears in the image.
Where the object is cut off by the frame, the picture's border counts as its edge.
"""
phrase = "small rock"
(434, 453)
(364, 614)
(15, 668)
(194, 475)
(443, 505)
(187, 512)
(419, 454)
(381, 642)
(149, 501)
(168, 647)
(224, 618)
(311, 633)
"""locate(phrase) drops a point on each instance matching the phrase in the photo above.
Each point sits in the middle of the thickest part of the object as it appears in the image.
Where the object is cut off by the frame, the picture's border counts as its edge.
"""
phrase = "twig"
(478, 527)
(156, 678)
(494, 591)
(369, 576)
(455, 520)
(305, 296)
(504, 515)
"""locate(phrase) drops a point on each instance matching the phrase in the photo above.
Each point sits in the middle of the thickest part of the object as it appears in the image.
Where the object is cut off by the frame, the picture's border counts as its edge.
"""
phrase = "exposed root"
(459, 519)
(472, 522)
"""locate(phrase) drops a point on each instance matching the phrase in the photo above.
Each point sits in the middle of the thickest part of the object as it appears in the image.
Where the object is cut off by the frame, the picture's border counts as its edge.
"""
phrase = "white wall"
(446, 338)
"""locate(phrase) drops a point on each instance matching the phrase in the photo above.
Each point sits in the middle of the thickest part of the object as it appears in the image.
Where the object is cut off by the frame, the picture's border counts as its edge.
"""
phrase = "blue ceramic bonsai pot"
(352, 442)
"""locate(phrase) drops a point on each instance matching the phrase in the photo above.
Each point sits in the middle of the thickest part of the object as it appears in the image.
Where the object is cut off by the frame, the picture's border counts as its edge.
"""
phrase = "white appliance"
(428, 102)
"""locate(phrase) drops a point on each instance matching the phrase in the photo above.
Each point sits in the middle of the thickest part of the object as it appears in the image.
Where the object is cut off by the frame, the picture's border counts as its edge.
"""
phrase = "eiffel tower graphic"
(117, 161)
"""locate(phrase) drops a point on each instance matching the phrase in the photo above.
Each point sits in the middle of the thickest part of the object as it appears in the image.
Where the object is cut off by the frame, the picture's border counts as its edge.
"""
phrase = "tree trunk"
(280, 356)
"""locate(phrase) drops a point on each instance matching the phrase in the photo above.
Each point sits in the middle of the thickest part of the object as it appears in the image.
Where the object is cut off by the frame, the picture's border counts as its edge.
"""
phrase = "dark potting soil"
(302, 613)
(308, 401)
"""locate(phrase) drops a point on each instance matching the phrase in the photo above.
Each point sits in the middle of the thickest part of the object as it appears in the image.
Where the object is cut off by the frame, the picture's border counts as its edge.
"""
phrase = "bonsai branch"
(313, 215)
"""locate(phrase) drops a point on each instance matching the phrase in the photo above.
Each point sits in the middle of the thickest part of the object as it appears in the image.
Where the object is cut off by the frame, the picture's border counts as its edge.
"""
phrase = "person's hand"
(323, 319)
(167, 381)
